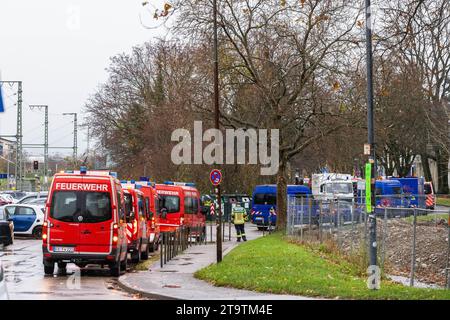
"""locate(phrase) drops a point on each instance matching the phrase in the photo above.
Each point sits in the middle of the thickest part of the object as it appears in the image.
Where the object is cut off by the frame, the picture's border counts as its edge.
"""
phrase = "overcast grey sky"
(60, 49)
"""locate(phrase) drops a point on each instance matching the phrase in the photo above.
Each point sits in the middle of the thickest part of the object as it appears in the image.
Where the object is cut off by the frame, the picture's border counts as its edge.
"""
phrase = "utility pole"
(18, 136)
(217, 124)
(370, 129)
(88, 145)
(75, 135)
(45, 173)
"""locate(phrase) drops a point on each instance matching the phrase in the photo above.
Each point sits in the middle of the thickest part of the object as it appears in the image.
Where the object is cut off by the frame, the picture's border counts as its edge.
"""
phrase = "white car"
(3, 291)
(28, 219)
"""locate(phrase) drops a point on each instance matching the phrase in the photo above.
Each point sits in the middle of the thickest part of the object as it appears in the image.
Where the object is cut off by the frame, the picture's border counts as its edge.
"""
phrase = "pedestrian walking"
(239, 217)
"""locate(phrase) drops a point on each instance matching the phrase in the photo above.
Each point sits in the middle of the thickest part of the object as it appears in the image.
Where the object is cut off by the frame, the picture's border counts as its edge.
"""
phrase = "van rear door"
(83, 220)
(97, 227)
(64, 232)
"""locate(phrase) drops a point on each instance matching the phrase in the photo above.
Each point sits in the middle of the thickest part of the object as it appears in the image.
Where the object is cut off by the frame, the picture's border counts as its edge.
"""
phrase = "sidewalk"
(176, 279)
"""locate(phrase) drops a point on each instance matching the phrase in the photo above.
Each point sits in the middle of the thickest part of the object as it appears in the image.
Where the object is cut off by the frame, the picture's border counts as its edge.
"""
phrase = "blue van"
(413, 191)
(388, 193)
(265, 198)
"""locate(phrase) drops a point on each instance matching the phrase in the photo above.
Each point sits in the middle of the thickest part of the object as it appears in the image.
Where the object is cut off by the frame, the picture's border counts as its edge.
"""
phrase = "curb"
(156, 296)
(146, 294)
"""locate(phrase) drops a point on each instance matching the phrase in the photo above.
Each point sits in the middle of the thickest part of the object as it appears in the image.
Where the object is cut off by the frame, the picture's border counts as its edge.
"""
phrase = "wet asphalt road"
(26, 280)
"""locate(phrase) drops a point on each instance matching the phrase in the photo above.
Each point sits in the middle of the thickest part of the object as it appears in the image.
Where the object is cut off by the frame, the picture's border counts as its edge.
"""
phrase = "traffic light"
(35, 165)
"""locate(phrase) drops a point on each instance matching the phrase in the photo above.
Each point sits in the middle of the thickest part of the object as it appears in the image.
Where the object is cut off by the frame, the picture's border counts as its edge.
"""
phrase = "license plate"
(64, 249)
(259, 218)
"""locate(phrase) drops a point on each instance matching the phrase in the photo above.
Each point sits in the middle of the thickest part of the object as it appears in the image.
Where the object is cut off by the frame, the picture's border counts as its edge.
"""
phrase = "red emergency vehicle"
(138, 234)
(85, 222)
(180, 205)
(151, 203)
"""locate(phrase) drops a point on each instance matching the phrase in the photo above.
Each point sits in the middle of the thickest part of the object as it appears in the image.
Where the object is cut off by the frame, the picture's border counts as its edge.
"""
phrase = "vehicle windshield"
(265, 198)
(339, 187)
(81, 207)
(171, 203)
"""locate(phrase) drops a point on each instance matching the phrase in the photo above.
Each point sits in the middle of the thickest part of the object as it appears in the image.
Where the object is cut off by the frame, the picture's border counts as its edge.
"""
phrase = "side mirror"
(164, 213)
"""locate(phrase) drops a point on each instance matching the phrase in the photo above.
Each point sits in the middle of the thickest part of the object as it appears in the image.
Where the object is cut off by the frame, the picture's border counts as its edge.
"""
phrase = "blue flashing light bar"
(147, 179)
(83, 170)
(186, 184)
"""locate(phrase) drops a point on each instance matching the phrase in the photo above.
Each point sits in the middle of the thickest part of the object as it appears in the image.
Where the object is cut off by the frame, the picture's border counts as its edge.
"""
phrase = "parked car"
(30, 197)
(27, 219)
(40, 202)
(15, 194)
(3, 291)
(5, 199)
(6, 228)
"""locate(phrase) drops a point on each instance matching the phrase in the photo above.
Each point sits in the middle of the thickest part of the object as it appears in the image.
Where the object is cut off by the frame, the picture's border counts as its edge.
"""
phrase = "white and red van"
(85, 222)
(138, 234)
(179, 204)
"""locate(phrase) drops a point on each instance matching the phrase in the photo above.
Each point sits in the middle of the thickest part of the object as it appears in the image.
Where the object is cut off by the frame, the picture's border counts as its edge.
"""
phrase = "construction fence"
(412, 241)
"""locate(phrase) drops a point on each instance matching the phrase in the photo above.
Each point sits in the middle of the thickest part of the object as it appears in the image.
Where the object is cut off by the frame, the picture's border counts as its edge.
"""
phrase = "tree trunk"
(281, 196)
(442, 165)
(426, 168)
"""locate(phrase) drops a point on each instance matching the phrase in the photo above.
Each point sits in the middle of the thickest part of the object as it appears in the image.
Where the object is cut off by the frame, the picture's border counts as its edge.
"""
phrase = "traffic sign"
(215, 177)
(212, 209)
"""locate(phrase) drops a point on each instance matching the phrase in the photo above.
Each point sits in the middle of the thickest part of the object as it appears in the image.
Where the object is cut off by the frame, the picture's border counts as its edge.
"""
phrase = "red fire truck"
(151, 202)
(151, 208)
(180, 205)
(138, 234)
(85, 222)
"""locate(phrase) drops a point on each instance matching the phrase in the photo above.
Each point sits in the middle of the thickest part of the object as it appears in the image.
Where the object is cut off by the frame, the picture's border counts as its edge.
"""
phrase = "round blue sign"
(215, 177)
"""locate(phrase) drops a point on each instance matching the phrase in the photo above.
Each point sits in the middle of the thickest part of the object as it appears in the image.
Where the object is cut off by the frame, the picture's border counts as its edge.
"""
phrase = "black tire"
(124, 265)
(115, 269)
(9, 242)
(136, 255)
(49, 268)
(62, 268)
(145, 253)
(262, 228)
(156, 243)
(152, 246)
(37, 232)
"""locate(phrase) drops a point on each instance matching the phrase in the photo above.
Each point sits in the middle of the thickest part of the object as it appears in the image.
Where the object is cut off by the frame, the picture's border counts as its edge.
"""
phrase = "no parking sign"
(215, 177)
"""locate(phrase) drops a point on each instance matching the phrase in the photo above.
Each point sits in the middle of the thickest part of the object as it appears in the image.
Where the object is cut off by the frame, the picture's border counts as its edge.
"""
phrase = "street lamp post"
(216, 113)
(370, 129)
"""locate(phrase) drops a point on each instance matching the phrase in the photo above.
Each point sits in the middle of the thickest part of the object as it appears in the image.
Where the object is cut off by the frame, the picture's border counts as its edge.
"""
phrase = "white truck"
(329, 186)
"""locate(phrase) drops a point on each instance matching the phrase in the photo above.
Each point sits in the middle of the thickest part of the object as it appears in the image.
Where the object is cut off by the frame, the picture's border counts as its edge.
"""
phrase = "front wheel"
(115, 269)
(37, 232)
(136, 255)
(145, 254)
(124, 265)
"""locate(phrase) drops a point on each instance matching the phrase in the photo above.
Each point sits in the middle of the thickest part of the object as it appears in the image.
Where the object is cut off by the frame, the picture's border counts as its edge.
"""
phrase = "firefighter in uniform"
(239, 217)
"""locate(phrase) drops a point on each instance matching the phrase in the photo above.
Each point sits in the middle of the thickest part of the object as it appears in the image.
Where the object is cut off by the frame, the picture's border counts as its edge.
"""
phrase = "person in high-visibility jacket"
(239, 217)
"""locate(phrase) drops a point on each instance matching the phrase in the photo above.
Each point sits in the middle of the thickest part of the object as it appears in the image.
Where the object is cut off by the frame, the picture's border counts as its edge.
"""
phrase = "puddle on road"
(174, 286)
